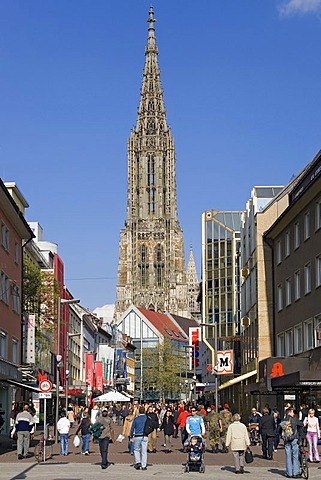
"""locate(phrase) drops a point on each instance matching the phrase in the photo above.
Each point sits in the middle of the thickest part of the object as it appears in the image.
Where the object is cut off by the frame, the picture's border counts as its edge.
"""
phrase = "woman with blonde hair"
(313, 434)
(126, 429)
(238, 439)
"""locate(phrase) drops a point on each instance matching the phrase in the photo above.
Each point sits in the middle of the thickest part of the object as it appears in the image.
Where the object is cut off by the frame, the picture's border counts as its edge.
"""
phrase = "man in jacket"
(181, 422)
(23, 426)
(152, 437)
(267, 431)
(140, 440)
(105, 424)
(292, 426)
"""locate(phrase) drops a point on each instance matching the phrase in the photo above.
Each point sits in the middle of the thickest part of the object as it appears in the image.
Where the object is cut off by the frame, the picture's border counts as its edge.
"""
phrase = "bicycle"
(40, 450)
(303, 459)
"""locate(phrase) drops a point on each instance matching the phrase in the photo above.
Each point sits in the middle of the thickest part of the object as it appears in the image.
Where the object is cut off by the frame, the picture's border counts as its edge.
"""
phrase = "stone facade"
(151, 270)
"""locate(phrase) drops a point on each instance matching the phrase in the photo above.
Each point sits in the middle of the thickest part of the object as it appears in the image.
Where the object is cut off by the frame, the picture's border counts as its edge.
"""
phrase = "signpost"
(45, 386)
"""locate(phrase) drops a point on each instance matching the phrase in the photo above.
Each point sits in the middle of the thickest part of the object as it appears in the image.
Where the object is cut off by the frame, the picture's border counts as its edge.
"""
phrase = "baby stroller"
(195, 449)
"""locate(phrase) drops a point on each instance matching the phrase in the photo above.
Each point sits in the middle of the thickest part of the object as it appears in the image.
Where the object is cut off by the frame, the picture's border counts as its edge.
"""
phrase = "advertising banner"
(99, 376)
(194, 342)
(90, 369)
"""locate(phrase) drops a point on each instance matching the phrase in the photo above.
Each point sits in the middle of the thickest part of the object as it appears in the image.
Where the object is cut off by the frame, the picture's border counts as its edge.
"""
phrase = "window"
(318, 214)
(297, 285)
(307, 226)
(280, 297)
(298, 339)
(280, 345)
(317, 330)
(3, 344)
(318, 271)
(288, 297)
(15, 351)
(15, 299)
(278, 252)
(16, 251)
(296, 235)
(4, 292)
(307, 278)
(308, 335)
(287, 244)
(5, 237)
(288, 343)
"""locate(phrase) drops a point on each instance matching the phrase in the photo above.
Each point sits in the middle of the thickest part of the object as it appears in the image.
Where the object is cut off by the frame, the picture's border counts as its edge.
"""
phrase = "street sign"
(45, 395)
(45, 386)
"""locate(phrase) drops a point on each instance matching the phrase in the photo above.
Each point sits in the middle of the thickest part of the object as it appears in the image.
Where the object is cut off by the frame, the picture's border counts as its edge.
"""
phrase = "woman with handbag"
(84, 428)
(237, 438)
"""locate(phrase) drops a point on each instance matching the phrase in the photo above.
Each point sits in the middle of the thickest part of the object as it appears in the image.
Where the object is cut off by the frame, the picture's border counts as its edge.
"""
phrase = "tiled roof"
(185, 323)
(164, 325)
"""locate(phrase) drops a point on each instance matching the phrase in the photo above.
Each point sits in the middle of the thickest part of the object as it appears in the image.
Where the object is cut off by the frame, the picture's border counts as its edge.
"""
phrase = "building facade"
(220, 290)
(151, 269)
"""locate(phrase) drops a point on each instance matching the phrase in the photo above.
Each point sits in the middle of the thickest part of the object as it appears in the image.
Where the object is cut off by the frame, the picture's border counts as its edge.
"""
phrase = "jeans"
(85, 443)
(140, 450)
(103, 446)
(184, 435)
(312, 438)
(63, 443)
(130, 446)
(292, 457)
(23, 443)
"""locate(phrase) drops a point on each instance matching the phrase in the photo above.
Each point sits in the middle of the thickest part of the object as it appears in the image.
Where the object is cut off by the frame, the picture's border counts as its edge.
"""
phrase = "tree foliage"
(161, 368)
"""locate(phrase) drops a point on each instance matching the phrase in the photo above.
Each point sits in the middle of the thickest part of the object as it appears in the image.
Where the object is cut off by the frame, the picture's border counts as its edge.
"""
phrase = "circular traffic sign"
(45, 386)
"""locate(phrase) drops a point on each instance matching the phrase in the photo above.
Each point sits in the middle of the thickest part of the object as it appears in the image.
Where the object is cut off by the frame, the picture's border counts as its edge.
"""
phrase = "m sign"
(224, 362)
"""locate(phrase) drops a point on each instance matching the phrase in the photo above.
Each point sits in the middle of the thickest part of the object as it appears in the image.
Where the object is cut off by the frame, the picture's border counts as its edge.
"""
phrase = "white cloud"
(292, 7)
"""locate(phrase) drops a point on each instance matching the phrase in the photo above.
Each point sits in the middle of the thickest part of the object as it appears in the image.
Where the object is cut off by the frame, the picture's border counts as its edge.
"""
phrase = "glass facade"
(221, 276)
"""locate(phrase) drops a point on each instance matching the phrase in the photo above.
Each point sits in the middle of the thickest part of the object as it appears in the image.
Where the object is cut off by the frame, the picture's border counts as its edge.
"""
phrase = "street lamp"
(61, 301)
(214, 354)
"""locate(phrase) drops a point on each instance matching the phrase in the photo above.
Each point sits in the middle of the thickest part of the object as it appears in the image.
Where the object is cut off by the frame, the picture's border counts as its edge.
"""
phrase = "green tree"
(161, 368)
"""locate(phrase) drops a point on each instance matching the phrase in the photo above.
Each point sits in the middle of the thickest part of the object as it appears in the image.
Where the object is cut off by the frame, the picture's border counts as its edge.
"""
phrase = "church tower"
(151, 269)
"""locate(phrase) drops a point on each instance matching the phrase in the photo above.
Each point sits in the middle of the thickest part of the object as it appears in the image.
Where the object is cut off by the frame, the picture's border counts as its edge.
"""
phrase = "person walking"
(23, 426)
(311, 422)
(140, 440)
(195, 424)
(84, 429)
(105, 425)
(290, 433)
(128, 420)
(267, 431)
(181, 422)
(214, 427)
(63, 427)
(152, 437)
(168, 428)
(71, 415)
(237, 438)
(226, 420)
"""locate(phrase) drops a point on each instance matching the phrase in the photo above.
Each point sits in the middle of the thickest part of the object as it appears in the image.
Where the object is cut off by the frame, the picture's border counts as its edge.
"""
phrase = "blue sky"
(241, 82)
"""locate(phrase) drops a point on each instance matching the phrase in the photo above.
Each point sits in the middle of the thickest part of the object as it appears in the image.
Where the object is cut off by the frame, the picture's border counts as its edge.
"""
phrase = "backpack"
(288, 433)
(149, 426)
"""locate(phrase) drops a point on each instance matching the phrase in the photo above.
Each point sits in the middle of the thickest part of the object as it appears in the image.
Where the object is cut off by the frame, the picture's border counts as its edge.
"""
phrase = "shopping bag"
(248, 456)
(76, 441)
(120, 438)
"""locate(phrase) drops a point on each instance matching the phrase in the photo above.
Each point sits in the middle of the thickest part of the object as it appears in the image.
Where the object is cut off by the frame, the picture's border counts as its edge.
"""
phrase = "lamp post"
(214, 354)
(61, 301)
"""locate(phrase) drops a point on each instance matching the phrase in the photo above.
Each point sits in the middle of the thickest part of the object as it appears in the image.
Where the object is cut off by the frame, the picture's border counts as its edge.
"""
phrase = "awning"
(22, 385)
(238, 379)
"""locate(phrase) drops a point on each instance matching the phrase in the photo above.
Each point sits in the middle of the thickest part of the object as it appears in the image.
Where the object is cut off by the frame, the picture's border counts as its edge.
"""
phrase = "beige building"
(151, 269)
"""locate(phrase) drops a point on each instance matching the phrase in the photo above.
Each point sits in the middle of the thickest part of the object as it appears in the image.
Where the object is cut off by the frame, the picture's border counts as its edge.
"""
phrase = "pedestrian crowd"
(218, 429)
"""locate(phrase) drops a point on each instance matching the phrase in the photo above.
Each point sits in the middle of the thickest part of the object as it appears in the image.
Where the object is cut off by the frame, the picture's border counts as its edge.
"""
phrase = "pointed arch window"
(159, 265)
(151, 106)
(143, 265)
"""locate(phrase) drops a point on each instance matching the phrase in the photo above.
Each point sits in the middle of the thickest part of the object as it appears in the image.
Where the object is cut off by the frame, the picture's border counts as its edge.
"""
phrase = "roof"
(164, 325)
(185, 323)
